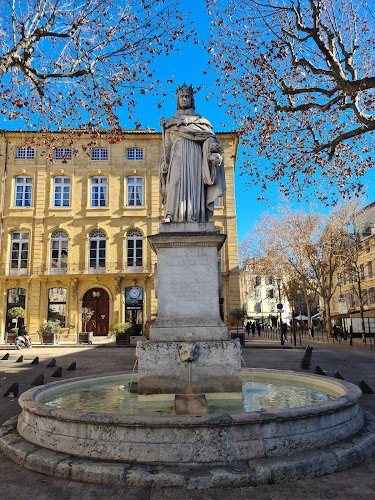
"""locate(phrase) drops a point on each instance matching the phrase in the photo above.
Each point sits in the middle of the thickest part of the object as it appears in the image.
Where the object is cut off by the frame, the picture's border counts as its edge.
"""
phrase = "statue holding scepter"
(191, 168)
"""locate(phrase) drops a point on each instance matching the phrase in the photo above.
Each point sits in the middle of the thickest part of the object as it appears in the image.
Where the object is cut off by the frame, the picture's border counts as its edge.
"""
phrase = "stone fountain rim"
(352, 394)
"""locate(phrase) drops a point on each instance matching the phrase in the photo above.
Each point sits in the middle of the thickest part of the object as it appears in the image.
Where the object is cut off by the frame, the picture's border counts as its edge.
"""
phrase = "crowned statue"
(191, 168)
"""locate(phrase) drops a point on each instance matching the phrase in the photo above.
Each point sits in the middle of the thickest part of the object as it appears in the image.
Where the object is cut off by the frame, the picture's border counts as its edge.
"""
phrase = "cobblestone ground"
(354, 363)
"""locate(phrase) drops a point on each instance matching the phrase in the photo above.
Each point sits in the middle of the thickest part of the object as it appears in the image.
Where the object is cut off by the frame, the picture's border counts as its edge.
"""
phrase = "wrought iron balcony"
(69, 269)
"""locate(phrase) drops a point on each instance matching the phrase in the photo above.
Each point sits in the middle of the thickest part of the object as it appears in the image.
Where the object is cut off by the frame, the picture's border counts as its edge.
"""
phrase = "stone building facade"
(345, 303)
(260, 296)
(74, 227)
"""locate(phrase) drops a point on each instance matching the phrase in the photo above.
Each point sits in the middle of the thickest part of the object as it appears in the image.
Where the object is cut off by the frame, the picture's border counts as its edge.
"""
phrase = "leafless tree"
(65, 62)
(305, 248)
(298, 77)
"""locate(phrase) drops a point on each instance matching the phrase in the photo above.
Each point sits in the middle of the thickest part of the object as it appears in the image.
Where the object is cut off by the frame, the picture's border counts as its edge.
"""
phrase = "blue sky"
(188, 64)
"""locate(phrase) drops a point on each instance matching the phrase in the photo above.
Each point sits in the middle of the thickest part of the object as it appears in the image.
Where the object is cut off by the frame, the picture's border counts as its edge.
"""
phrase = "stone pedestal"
(188, 350)
(187, 282)
(163, 370)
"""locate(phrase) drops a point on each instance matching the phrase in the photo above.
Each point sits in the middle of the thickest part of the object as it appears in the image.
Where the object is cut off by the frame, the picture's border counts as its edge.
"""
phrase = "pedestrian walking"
(258, 328)
(335, 331)
(248, 327)
(253, 328)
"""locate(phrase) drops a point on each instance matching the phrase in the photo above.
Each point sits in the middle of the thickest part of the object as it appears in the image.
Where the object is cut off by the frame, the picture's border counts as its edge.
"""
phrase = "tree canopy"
(305, 248)
(298, 78)
(76, 61)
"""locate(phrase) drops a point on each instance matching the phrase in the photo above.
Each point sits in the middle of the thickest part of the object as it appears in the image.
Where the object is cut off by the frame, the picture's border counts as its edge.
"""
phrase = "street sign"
(343, 307)
(279, 306)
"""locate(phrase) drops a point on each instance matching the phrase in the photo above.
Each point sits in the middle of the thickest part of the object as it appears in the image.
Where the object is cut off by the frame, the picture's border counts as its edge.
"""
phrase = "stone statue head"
(183, 95)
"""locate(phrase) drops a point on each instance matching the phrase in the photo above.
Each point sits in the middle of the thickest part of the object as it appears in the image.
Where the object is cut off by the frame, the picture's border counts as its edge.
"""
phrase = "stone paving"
(355, 363)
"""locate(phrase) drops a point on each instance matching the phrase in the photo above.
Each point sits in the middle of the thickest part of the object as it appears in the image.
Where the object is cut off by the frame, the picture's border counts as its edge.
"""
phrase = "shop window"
(134, 307)
(23, 187)
(16, 297)
(59, 252)
(134, 191)
(19, 252)
(134, 249)
(57, 306)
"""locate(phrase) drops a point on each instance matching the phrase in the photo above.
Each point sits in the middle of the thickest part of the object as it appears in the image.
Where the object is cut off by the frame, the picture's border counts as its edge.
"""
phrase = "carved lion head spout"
(188, 351)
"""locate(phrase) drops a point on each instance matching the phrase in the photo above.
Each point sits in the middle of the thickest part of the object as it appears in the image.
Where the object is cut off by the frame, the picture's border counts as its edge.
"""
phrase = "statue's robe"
(189, 182)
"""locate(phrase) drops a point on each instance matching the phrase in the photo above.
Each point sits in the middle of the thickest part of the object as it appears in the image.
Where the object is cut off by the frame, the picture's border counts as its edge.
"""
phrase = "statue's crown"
(185, 88)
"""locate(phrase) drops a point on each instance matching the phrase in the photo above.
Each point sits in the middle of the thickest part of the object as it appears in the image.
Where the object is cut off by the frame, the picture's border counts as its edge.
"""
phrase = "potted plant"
(122, 332)
(15, 313)
(238, 315)
(50, 332)
(85, 337)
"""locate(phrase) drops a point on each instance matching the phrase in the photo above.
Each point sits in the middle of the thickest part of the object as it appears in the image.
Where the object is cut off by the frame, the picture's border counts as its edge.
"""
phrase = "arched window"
(59, 252)
(19, 252)
(16, 297)
(97, 246)
(134, 249)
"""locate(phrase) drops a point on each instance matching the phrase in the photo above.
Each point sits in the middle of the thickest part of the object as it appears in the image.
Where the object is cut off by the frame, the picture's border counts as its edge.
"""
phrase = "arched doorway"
(97, 300)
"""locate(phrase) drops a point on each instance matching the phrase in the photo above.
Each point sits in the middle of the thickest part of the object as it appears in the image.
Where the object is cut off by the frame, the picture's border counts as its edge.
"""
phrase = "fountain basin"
(195, 451)
(191, 439)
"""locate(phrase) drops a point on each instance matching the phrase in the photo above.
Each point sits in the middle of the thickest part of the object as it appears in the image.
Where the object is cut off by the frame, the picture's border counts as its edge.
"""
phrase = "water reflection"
(258, 395)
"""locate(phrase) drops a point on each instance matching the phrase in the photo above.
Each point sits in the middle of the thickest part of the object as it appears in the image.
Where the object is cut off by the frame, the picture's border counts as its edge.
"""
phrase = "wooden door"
(98, 301)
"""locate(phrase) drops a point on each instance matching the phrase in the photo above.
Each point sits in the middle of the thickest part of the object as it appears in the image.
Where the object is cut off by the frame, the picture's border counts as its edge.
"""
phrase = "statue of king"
(191, 169)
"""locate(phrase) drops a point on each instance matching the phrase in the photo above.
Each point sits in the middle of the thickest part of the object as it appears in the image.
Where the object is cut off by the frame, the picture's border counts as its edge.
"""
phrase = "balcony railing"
(74, 268)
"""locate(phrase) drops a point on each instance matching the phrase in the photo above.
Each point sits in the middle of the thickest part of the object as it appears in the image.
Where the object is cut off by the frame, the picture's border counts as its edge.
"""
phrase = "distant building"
(345, 304)
(74, 228)
(260, 296)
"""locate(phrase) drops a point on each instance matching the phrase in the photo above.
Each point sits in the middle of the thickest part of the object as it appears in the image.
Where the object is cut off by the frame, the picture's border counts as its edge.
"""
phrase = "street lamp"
(278, 280)
(293, 323)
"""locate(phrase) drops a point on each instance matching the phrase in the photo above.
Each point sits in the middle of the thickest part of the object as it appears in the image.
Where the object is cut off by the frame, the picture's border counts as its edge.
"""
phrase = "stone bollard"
(12, 391)
(319, 371)
(306, 358)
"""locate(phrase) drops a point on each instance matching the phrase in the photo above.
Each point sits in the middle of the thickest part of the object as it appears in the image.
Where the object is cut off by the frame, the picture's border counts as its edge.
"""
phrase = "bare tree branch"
(56, 54)
(302, 65)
